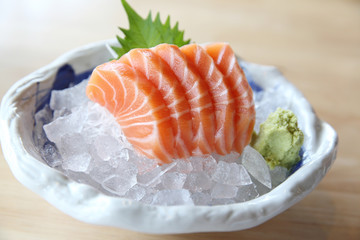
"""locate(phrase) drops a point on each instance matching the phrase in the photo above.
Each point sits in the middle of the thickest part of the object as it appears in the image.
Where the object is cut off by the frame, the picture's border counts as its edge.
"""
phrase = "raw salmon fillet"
(159, 73)
(176, 102)
(137, 106)
(220, 94)
(197, 94)
(234, 77)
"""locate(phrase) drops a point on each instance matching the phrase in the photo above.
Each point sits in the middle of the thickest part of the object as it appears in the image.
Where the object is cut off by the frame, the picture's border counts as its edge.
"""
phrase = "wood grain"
(316, 44)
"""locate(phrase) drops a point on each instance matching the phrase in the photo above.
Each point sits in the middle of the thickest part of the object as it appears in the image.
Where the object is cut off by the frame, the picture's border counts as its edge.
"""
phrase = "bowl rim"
(87, 201)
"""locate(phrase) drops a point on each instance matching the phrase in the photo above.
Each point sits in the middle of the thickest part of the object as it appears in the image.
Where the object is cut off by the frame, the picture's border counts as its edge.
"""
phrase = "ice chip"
(245, 178)
(223, 191)
(143, 164)
(78, 162)
(232, 157)
(183, 166)
(149, 195)
(136, 193)
(256, 165)
(198, 182)
(197, 163)
(117, 184)
(231, 174)
(260, 188)
(69, 98)
(101, 170)
(96, 114)
(42, 117)
(209, 165)
(167, 167)
(66, 125)
(127, 170)
(200, 198)
(172, 197)
(51, 154)
(269, 101)
(107, 147)
(61, 113)
(173, 180)
(246, 193)
(72, 144)
(151, 178)
(278, 175)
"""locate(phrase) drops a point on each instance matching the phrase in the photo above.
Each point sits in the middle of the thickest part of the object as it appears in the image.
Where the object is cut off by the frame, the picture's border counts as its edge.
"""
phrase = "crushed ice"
(83, 140)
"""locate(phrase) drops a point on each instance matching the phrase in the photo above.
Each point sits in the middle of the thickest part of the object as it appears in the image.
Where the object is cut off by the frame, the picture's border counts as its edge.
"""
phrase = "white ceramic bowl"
(85, 203)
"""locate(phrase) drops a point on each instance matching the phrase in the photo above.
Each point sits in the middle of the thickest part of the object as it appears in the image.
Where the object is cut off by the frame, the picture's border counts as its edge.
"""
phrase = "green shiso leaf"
(147, 33)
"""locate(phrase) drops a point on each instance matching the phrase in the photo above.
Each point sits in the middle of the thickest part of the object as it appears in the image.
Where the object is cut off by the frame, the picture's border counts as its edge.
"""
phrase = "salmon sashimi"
(234, 76)
(173, 102)
(197, 94)
(137, 106)
(220, 93)
(158, 72)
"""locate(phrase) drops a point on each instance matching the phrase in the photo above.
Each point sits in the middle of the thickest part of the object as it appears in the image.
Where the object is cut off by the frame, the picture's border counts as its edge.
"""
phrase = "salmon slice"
(137, 106)
(234, 77)
(197, 94)
(159, 73)
(221, 95)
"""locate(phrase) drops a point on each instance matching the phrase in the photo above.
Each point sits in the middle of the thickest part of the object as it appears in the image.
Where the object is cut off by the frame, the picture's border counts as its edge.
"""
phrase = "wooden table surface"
(316, 44)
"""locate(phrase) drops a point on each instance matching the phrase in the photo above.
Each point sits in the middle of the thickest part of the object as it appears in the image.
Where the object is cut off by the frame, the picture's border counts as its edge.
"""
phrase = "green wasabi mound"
(279, 139)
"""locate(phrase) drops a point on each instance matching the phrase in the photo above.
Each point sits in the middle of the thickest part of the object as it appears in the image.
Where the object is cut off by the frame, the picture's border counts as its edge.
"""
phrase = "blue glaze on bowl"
(65, 77)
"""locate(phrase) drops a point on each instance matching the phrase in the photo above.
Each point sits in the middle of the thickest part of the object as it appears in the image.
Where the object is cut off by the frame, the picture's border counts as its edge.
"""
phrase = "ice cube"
(172, 197)
(260, 188)
(269, 102)
(97, 114)
(51, 154)
(149, 195)
(61, 113)
(256, 165)
(278, 175)
(66, 125)
(151, 178)
(74, 152)
(246, 193)
(209, 165)
(69, 98)
(198, 182)
(118, 185)
(173, 180)
(143, 164)
(42, 117)
(72, 144)
(245, 178)
(197, 163)
(183, 166)
(200, 198)
(127, 170)
(232, 157)
(136, 193)
(223, 191)
(107, 147)
(101, 170)
(78, 162)
(231, 174)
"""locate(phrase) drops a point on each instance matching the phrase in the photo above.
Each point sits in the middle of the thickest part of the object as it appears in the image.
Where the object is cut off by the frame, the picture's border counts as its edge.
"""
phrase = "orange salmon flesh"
(176, 102)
